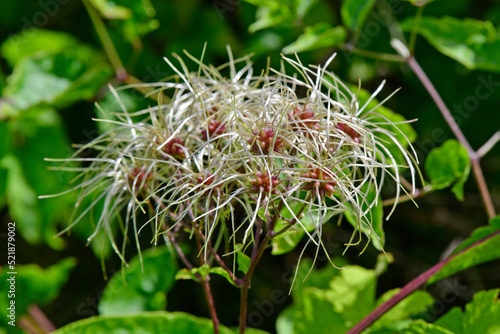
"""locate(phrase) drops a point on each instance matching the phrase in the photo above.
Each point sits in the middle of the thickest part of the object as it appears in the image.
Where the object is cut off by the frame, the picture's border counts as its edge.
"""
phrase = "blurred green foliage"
(55, 65)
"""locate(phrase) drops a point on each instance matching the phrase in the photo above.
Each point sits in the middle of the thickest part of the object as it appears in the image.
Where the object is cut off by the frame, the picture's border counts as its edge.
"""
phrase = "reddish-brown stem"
(410, 288)
(247, 280)
(474, 157)
(205, 281)
(211, 304)
(41, 319)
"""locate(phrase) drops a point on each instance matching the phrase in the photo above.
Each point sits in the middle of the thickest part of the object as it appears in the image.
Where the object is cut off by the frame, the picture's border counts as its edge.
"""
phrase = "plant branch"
(414, 29)
(41, 319)
(206, 288)
(410, 288)
(474, 156)
(256, 256)
(211, 304)
(483, 150)
(417, 193)
(106, 41)
(373, 54)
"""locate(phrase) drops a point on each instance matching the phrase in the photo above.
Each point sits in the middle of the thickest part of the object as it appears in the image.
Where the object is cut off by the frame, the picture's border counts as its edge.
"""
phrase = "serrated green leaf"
(372, 205)
(355, 12)
(135, 18)
(352, 292)
(52, 80)
(484, 252)
(447, 164)
(32, 41)
(315, 37)
(480, 316)
(333, 301)
(417, 302)
(33, 285)
(143, 323)
(422, 327)
(471, 42)
(140, 290)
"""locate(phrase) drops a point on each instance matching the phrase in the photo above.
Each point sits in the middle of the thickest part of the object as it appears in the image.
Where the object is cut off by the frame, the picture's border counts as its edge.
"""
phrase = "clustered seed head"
(265, 141)
(324, 145)
(175, 148)
(349, 131)
(320, 182)
(265, 183)
(213, 130)
(303, 119)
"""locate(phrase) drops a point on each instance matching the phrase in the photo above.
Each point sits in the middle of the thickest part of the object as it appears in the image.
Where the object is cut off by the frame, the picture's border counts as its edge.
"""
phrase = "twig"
(211, 305)
(410, 288)
(41, 319)
(27, 324)
(373, 54)
(407, 197)
(489, 145)
(256, 256)
(106, 41)
(414, 29)
(474, 156)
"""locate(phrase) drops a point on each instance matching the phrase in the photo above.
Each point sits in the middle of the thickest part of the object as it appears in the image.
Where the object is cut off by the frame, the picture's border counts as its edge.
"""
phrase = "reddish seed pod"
(263, 141)
(321, 182)
(265, 182)
(303, 119)
(175, 147)
(139, 176)
(349, 131)
(212, 130)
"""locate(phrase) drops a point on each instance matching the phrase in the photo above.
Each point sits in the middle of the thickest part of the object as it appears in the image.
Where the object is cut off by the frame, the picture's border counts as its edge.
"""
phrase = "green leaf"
(447, 164)
(270, 13)
(135, 18)
(142, 286)
(243, 261)
(33, 285)
(22, 201)
(355, 12)
(284, 322)
(417, 302)
(40, 134)
(315, 37)
(374, 216)
(471, 42)
(389, 120)
(422, 327)
(347, 297)
(32, 41)
(109, 106)
(484, 252)
(287, 242)
(143, 323)
(53, 79)
(302, 7)
(204, 271)
(480, 316)
(5, 149)
(317, 315)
